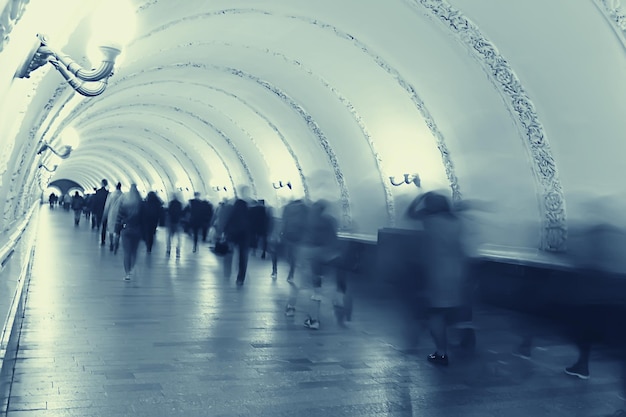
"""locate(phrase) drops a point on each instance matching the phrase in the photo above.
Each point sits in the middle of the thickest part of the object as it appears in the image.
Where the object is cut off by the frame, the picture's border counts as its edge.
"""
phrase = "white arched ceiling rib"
(162, 113)
(131, 153)
(150, 115)
(552, 205)
(82, 175)
(99, 166)
(613, 11)
(166, 148)
(122, 159)
(170, 148)
(296, 107)
(383, 175)
(447, 162)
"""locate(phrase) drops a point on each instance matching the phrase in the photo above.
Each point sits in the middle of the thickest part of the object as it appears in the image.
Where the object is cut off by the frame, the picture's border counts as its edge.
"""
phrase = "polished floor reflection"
(181, 339)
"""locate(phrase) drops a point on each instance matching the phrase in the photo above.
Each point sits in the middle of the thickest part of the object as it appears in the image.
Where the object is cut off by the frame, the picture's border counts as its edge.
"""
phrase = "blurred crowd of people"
(302, 232)
(305, 234)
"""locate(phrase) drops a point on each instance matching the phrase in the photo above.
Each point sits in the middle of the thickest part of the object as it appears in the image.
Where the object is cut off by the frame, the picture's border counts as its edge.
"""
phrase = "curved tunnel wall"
(337, 98)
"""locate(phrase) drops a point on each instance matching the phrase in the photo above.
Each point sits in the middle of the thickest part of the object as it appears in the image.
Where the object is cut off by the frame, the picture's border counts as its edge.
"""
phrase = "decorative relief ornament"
(552, 204)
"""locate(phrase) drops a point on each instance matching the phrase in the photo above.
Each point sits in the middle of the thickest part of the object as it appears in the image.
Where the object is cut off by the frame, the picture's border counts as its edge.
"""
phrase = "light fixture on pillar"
(219, 188)
(408, 179)
(54, 168)
(280, 184)
(110, 34)
(62, 153)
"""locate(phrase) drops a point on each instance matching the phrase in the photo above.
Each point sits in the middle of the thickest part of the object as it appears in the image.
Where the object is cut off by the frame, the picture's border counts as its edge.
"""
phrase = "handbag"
(221, 247)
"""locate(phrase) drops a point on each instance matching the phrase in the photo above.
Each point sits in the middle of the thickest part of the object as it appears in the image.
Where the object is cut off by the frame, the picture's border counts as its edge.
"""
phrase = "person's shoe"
(578, 371)
(438, 359)
(274, 275)
(177, 253)
(312, 324)
(127, 277)
(290, 310)
(290, 278)
(239, 282)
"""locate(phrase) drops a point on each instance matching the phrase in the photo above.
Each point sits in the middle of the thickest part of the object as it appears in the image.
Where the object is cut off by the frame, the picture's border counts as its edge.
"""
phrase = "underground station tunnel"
(460, 245)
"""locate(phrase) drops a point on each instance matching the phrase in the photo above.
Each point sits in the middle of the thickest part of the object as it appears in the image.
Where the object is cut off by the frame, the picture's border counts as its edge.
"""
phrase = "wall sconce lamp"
(219, 188)
(54, 168)
(113, 25)
(89, 83)
(63, 153)
(281, 185)
(408, 179)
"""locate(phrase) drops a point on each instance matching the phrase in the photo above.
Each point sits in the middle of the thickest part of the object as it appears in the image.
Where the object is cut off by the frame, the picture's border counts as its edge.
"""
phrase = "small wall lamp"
(89, 83)
(54, 168)
(281, 185)
(408, 179)
(63, 153)
(219, 188)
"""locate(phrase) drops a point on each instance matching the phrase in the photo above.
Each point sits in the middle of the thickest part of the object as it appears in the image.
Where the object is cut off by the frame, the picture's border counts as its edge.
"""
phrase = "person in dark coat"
(237, 231)
(194, 214)
(259, 227)
(78, 202)
(174, 224)
(151, 213)
(206, 218)
(98, 202)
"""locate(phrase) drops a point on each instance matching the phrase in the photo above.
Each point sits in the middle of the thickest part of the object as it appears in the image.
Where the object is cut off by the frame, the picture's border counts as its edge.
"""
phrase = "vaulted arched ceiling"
(336, 97)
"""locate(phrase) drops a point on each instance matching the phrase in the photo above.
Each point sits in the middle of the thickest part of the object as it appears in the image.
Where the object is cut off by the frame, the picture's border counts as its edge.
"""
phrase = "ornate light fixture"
(54, 168)
(408, 179)
(112, 24)
(63, 153)
(89, 83)
(281, 185)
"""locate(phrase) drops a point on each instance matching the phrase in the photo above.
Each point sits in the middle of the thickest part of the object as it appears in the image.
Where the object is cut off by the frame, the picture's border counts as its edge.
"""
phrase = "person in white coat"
(111, 208)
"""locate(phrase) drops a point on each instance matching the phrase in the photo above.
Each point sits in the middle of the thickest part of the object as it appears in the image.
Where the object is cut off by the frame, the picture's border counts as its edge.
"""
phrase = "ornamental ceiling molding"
(614, 13)
(174, 144)
(377, 59)
(77, 112)
(389, 200)
(12, 13)
(112, 91)
(552, 203)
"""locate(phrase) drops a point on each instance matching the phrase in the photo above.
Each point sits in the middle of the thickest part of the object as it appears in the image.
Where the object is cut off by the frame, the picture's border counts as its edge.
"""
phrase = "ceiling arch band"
(552, 204)
(614, 13)
(141, 152)
(82, 108)
(441, 145)
(389, 200)
(77, 112)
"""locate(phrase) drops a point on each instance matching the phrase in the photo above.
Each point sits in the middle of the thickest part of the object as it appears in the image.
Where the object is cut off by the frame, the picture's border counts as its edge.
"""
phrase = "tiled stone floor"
(183, 340)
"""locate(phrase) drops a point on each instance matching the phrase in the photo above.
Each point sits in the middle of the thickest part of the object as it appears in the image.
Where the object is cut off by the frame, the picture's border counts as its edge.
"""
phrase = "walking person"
(129, 222)
(111, 208)
(294, 222)
(319, 253)
(174, 219)
(151, 214)
(238, 233)
(78, 202)
(98, 203)
(194, 212)
(445, 268)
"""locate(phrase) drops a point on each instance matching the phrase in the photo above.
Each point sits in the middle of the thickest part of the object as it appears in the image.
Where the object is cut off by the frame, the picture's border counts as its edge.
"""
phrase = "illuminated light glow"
(70, 137)
(113, 24)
